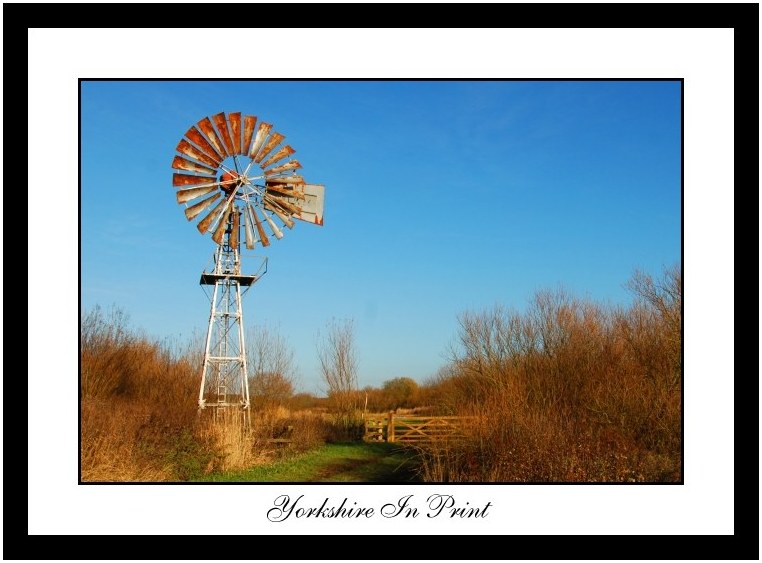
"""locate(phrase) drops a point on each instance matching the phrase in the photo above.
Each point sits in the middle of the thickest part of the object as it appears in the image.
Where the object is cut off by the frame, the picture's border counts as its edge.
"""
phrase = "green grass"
(356, 462)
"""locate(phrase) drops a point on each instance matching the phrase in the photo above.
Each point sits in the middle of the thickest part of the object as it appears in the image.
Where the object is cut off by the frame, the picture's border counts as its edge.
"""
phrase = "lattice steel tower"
(224, 379)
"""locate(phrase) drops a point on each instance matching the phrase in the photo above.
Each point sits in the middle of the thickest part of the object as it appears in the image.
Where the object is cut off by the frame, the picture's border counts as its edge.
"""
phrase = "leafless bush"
(338, 364)
(271, 368)
(567, 391)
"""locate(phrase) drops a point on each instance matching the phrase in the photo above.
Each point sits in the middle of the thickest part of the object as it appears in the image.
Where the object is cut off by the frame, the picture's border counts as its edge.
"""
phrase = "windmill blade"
(292, 186)
(219, 232)
(293, 165)
(207, 221)
(215, 184)
(181, 163)
(272, 142)
(195, 135)
(264, 129)
(235, 130)
(282, 153)
(281, 215)
(250, 240)
(188, 194)
(249, 121)
(196, 209)
(206, 126)
(190, 180)
(184, 147)
(260, 230)
(285, 191)
(295, 181)
(276, 231)
(235, 231)
(222, 127)
(287, 206)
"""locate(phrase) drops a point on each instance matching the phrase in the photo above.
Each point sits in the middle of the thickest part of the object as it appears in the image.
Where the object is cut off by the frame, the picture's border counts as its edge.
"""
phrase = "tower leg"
(244, 364)
(206, 364)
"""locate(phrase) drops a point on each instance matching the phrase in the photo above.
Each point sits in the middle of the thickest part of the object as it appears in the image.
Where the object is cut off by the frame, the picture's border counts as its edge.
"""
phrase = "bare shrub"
(567, 391)
(139, 416)
(270, 366)
(138, 405)
(308, 430)
(338, 365)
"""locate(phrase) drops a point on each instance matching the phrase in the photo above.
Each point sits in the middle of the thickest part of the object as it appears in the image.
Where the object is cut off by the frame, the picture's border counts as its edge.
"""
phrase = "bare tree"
(270, 389)
(270, 366)
(654, 327)
(664, 295)
(338, 364)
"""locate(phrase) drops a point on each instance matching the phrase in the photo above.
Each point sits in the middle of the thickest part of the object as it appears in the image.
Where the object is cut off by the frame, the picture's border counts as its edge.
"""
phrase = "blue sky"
(441, 197)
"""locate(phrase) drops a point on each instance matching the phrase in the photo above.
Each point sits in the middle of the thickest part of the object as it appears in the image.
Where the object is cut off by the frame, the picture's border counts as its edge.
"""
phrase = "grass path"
(356, 462)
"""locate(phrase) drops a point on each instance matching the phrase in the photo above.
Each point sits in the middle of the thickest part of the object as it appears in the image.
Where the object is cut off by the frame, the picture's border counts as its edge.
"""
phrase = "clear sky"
(441, 197)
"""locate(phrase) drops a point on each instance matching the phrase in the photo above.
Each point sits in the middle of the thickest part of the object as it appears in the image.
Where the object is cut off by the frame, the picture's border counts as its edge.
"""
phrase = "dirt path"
(383, 464)
(355, 462)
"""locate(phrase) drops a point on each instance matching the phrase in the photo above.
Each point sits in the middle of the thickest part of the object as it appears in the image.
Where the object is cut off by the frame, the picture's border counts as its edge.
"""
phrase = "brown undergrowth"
(568, 391)
(139, 416)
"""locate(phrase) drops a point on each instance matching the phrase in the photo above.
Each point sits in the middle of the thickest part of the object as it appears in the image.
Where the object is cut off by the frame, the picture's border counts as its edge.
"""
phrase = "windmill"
(233, 172)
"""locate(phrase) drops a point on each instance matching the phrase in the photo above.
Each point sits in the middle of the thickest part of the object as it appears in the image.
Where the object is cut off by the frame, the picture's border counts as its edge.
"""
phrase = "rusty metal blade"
(207, 221)
(287, 185)
(249, 121)
(215, 184)
(282, 153)
(260, 230)
(295, 180)
(222, 127)
(292, 165)
(250, 240)
(196, 209)
(181, 163)
(281, 215)
(272, 142)
(219, 232)
(276, 231)
(235, 130)
(286, 191)
(190, 180)
(259, 140)
(195, 135)
(236, 228)
(188, 194)
(291, 208)
(184, 147)
(206, 126)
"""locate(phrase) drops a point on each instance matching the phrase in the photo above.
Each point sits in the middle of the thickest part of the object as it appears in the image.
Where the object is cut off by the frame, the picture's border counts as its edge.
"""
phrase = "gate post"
(390, 427)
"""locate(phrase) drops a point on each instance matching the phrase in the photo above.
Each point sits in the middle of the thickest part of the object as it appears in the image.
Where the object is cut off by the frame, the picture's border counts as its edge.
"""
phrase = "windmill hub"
(231, 182)
(217, 162)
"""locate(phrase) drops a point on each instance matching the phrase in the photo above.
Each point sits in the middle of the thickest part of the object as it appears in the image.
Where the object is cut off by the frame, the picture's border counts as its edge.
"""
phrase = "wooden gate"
(413, 429)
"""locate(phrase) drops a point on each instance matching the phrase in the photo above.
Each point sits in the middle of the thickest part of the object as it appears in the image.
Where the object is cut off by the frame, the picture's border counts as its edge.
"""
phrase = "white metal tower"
(224, 380)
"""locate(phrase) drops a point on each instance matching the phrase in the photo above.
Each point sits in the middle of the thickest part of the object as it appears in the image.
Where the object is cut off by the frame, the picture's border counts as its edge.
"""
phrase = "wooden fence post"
(390, 427)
